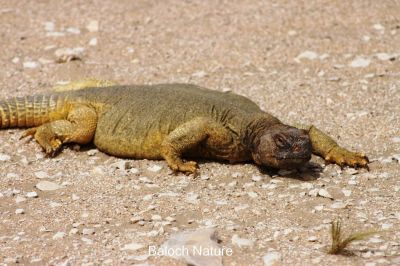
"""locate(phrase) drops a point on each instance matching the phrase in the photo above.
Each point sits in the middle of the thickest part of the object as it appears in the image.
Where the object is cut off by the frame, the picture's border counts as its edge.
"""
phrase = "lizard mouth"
(289, 162)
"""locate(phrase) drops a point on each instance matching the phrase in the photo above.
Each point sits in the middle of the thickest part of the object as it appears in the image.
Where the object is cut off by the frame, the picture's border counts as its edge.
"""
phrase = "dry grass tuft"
(339, 242)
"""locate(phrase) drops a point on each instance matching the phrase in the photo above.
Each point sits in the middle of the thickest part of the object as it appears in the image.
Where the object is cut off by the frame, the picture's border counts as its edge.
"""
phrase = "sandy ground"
(334, 64)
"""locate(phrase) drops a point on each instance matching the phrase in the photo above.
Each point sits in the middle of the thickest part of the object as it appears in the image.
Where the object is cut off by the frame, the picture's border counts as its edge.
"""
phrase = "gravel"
(327, 63)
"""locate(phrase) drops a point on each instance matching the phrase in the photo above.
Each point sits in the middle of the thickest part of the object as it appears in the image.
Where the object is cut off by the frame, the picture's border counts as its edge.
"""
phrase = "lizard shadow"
(309, 172)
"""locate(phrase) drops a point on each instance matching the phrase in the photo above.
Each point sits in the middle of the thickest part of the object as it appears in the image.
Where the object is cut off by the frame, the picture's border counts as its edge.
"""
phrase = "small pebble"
(242, 242)
(88, 231)
(252, 194)
(396, 139)
(4, 157)
(30, 64)
(205, 177)
(378, 27)
(19, 211)
(154, 168)
(41, 174)
(324, 193)
(73, 231)
(20, 199)
(132, 246)
(47, 186)
(156, 217)
(32, 194)
(310, 55)
(64, 55)
(338, 205)
(92, 152)
(272, 258)
(93, 26)
(360, 62)
(93, 42)
(312, 239)
(59, 235)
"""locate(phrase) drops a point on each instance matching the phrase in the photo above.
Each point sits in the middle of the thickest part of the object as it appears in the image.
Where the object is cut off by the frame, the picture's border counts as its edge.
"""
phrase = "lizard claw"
(28, 132)
(53, 147)
(343, 157)
(189, 167)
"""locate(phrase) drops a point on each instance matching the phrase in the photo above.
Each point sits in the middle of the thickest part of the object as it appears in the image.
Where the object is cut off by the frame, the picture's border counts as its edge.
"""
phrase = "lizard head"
(282, 146)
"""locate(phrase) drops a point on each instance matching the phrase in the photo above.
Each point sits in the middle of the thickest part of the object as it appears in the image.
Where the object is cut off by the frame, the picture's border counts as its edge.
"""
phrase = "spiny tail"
(28, 111)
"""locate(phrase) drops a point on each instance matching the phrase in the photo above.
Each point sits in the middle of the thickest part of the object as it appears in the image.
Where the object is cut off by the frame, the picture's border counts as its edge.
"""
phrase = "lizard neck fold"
(256, 128)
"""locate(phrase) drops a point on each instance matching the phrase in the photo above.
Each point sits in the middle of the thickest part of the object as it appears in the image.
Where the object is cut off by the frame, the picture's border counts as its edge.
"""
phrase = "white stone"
(205, 177)
(386, 226)
(383, 56)
(92, 152)
(41, 174)
(32, 194)
(310, 55)
(47, 186)
(256, 178)
(19, 211)
(93, 26)
(15, 60)
(154, 168)
(156, 217)
(68, 54)
(319, 207)
(4, 157)
(93, 41)
(242, 242)
(73, 30)
(312, 239)
(20, 199)
(352, 182)
(59, 235)
(272, 258)
(73, 231)
(324, 193)
(396, 139)
(338, 205)
(148, 197)
(88, 231)
(87, 241)
(252, 194)
(132, 246)
(346, 192)
(378, 27)
(192, 197)
(54, 204)
(360, 62)
(199, 74)
(30, 64)
(49, 26)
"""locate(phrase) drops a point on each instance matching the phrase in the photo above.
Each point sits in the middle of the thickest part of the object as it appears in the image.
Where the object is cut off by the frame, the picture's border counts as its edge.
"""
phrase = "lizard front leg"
(327, 148)
(79, 127)
(187, 136)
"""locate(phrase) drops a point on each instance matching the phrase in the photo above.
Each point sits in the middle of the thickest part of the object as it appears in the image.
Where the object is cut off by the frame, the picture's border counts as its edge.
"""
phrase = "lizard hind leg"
(78, 127)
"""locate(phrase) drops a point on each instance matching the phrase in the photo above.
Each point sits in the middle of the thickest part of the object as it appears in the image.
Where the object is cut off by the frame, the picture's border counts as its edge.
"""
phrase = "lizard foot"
(189, 167)
(343, 157)
(28, 132)
(52, 147)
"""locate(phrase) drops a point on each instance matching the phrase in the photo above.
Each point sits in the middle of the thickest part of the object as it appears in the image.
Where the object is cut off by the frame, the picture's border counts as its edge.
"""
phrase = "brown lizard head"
(282, 146)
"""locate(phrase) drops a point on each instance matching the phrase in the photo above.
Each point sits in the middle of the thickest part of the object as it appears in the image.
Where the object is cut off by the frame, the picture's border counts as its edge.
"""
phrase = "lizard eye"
(281, 141)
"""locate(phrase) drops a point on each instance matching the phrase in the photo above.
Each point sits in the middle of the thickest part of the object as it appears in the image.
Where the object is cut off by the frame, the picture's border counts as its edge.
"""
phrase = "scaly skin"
(168, 121)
